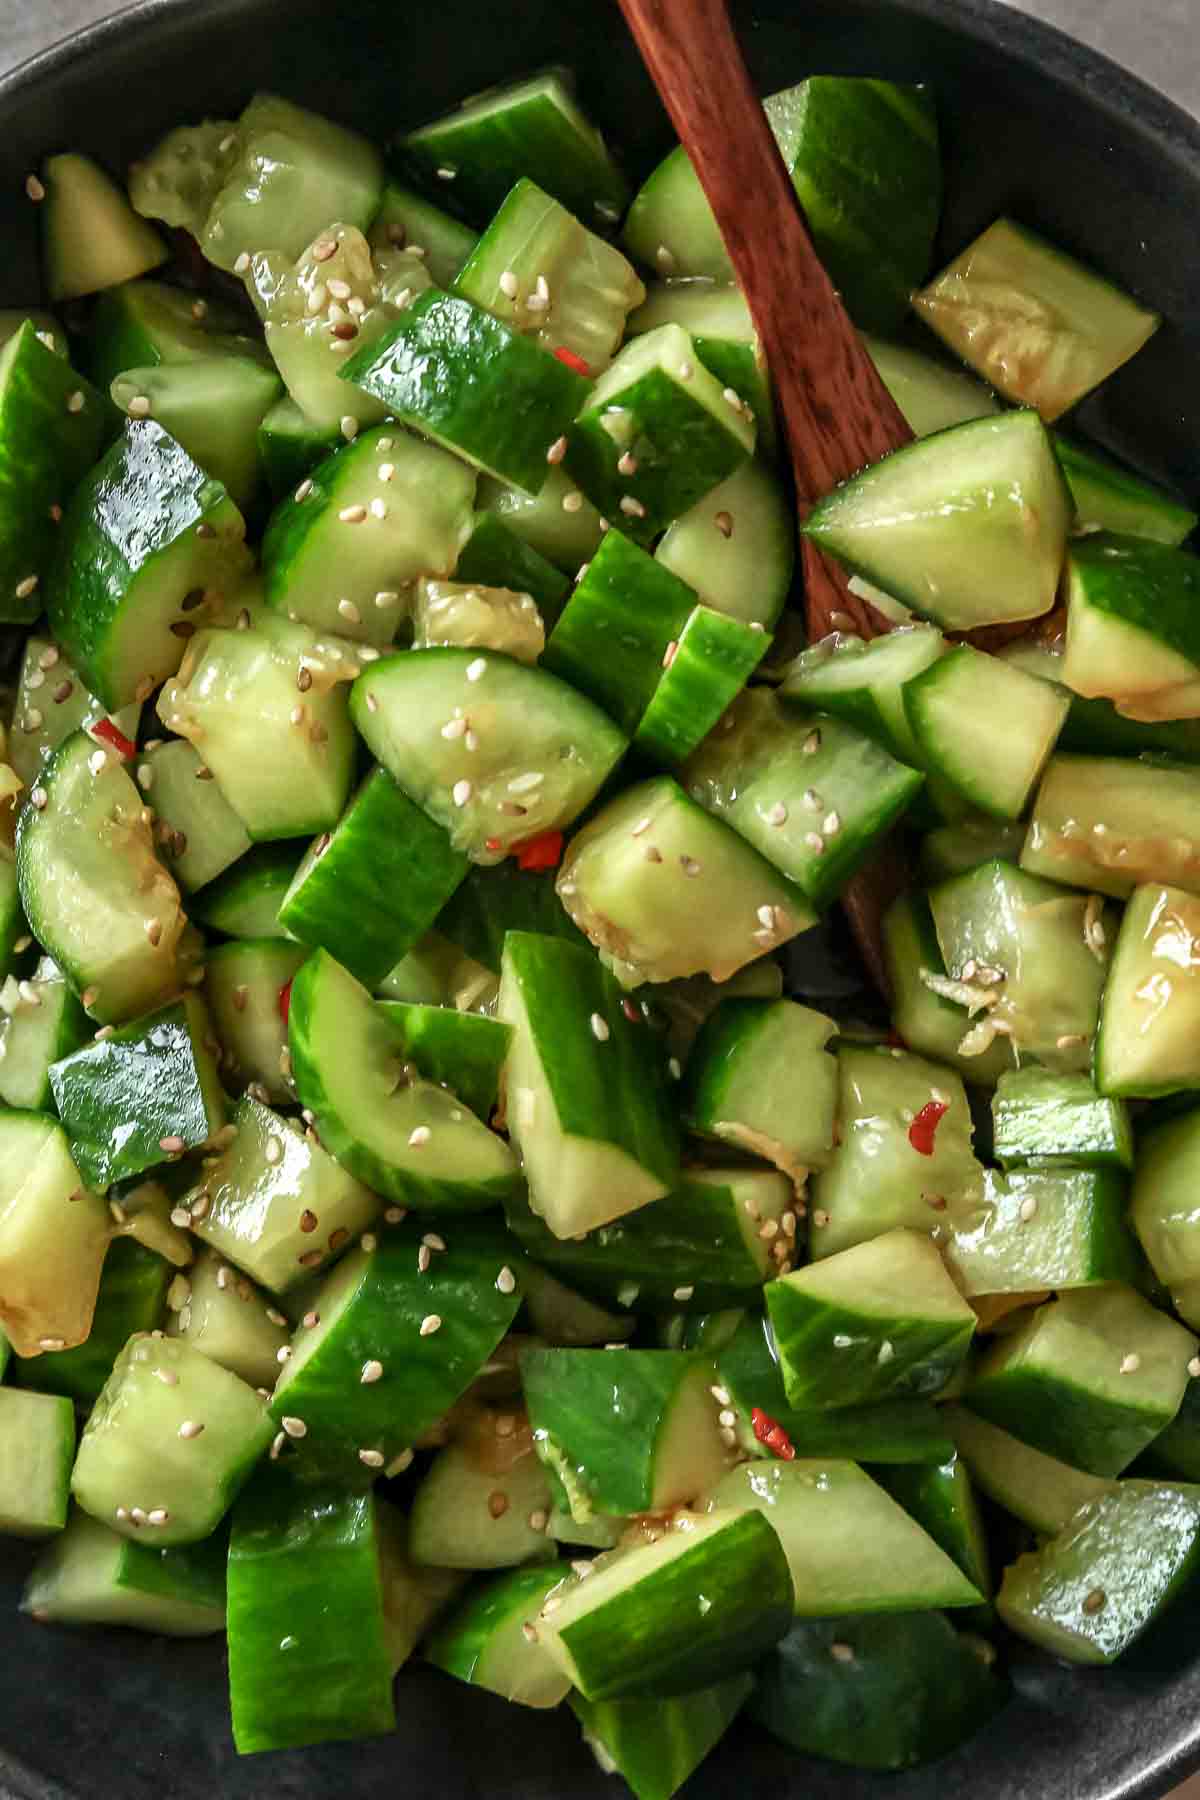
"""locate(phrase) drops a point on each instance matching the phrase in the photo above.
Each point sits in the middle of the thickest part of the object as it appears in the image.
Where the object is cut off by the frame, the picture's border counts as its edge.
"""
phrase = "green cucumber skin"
(714, 658)
(290, 446)
(33, 1039)
(422, 1376)
(108, 540)
(665, 1643)
(143, 323)
(896, 1431)
(1108, 496)
(1175, 1452)
(406, 217)
(152, 1075)
(491, 902)
(688, 1238)
(817, 1373)
(377, 885)
(245, 901)
(38, 1434)
(47, 444)
(941, 1498)
(911, 1690)
(727, 1053)
(656, 1744)
(1149, 586)
(90, 1575)
(1078, 1236)
(463, 1051)
(308, 1659)
(244, 983)
(133, 1287)
(494, 556)
(443, 369)
(460, 1644)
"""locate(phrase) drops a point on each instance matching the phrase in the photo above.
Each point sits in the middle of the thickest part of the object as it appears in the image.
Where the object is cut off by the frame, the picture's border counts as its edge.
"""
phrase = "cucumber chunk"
(245, 986)
(1042, 1119)
(1038, 326)
(466, 617)
(1036, 1229)
(225, 1318)
(412, 513)
(931, 395)
(245, 901)
(706, 668)
(654, 1745)
(736, 546)
(1081, 1596)
(47, 1023)
(91, 236)
(92, 1575)
(1175, 1452)
(626, 883)
(812, 795)
(671, 228)
(494, 556)
(306, 1587)
(51, 702)
(877, 1692)
(1108, 824)
(464, 379)
(880, 1179)
(290, 445)
(406, 218)
(198, 829)
(957, 848)
(864, 159)
(141, 1096)
(656, 434)
(1096, 727)
(277, 1205)
(483, 1643)
(51, 423)
(147, 1207)
(294, 171)
(941, 1498)
(648, 1596)
(1163, 1209)
(530, 128)
(413, 1595)
(527, 758)
(849, 1546)
(1109, 497)
(565, 535)
(624, 1431)
(864, 683)
(47, 327)
(369, 1315)
(952, 708)
(100, 902)
(1092, 1378)
(410, 1140)
(879, 1321)
(144, 323)
(138, 1472)
(1035, 1488)
(133, 1286)
(717, 319)
(568, 1320)
(925, 1019)
(177, 180)
(37, 1432)
(122, 598)
(459, 1050)
(699, 1247)
(280, 745)
(585, 1090)
(1147, 1043)
(1131, 625)
(212, 408)
(483, 1503)
(967, 528)
(479, 915)
(545, 274)
(760, 1077)
(368, 891)
(53, 1236)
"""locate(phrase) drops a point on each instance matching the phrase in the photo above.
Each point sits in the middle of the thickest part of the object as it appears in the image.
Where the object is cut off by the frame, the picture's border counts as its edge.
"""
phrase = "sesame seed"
(557, 450)
(572, 501)
(283, 1354)
(277, 1443)
(323, 249)
(724, 523)
(1028, 1208)
(372, 1458)
(1070, 1040)
(497, 1503)
(832, 824)
(158, 1516)
(508, 284)
(632, 507)
(430, 1323)
(627, 464)
(600, 1029)
(446, 173)
(172, 1145)
(303, 491)
(395, 1215)
(841, 1653)
(815, 842)
(386, 471)
(670, 653)
(538, 1520)
(139, 407)
(387, 597)
(477, 669)
(275, 1316)
(674, 1068)
(1095, 1601)
(168, 1377)
(37, 799)
(181, 1217)
(52, 1343)
(1194, 1368)
(75, 401)
(352, 515)
(122, 1513)
(461, 792)
(768, 1229)
(349, 611)
(371, 1372)
(423, 1260)
(241, 263)
(731, 397)
(1131, 1364)
(684, 1293)
(34, 189)
(379, 508)
(811, 744)
(820, 1218)
(368, 1242)
(295, 1428)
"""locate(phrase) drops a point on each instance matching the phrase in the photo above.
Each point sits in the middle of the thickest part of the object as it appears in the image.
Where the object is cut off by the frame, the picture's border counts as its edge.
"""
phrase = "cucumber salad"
(440, 1217)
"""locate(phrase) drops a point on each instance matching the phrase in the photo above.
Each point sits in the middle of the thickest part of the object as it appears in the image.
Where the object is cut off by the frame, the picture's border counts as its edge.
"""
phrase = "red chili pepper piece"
(543, 852)
(112, 734)
(285, 1001)
(491, 843)
(770, 1432)
(923, 1129)
(572, 361)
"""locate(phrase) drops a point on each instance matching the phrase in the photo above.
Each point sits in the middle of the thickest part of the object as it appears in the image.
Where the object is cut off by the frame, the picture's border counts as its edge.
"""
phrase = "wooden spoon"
(837, 413)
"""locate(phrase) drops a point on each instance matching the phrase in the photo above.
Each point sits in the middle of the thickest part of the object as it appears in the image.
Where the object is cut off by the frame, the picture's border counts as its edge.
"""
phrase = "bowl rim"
(1166, 129)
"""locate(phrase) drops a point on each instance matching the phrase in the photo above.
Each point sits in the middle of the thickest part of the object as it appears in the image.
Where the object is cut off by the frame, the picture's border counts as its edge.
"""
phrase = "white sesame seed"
(572, 501)
(371, 1372)
(172, 1145)
(283, 1354)
(684, 1293)
(811, 744)
(158, 1516)
(34, 189)
(728, 1436)
(832, 824)
(1131, 1364)
(386, 471)
(181, 1217)
(420, 1135)
(508, 285)
(670, 653)
(841, 1653)
(506, 1281)
(600, 1029)
(372, 1458)
(1028, 1208)
(815, 842)
(430, 1323)
(275, 1316)
(395, 1215)
(277, 1443)
(627, 464)
(778, 814)
(690, 866)
(352, 515)
(303, 491)
(524, 784)
(38, 798)
(75, 401)
(368, 1242)
(168, 1377)
(52, 1343)
(387, 597)
(446, 173)
(139, 406)
(557, 450)
(241, 263)
(295, 1428)
(477, 669)
(674, 1068)
(122, 1513)
(461, 792)
(538, 1520)
(349, 611)
(97, 762)
(379, 508)
(686, 371)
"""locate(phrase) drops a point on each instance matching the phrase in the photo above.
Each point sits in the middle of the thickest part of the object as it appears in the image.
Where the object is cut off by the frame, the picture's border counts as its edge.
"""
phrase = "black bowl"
(1033, 124)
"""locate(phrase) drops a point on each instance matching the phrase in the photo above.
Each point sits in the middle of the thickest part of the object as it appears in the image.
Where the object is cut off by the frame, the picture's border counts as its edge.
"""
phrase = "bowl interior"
(1032, 125)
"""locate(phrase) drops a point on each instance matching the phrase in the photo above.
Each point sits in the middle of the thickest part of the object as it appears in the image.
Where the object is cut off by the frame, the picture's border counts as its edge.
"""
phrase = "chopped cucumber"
(459, 1050)
(124, 598)
(368, 891)
(198, 829)
(1131, 629)
(343, 550)
(931, 395)
(495, 752)
(464, 379)
(276, 1204)
(568, 1320)
(1041, 1119)
(956, 849)
(245, 985)
(100, 902)
(706, 668)
(483, 1503)
(494, 556)
(1035, 1488)
(245, 901)
(53, 1238)
(1038, 326)
(811, 794)
(1092, 1378)
(466, 617)
(864, 683)
(1146, 1043)
(92, 1575)
(225, 1318)
(144, 323)
(760, 1078)
(879, 1321)
(139, 1472)
(290, 445)
(718, 321)
(409, 1139)
(585, 1090)
(1107, 824)
(737, 546)
(51, 702)
(91, 236)
(530, 128)
(406, 218)
(671, 228)
(1037, 1229)
(967, 527)
(558, 521)
(177, 180)
(1175, 1452)
(479, 915)
(952, 708)
(1163, 1211)
(941, 1498)
(1109, 498)
(46, 1024)
(545, 274)
(212, 408)
(38, 1435)
(483, 1641)
(655, 1745)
